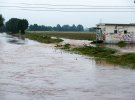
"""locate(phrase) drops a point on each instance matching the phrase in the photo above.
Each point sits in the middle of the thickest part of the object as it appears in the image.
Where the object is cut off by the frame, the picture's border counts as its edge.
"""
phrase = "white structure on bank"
(113, 33)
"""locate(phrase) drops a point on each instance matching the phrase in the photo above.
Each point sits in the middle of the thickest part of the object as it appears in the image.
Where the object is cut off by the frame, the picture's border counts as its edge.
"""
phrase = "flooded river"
(33, 71)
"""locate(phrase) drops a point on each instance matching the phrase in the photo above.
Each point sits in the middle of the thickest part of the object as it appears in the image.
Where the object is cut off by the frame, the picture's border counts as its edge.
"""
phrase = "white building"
(113, 33)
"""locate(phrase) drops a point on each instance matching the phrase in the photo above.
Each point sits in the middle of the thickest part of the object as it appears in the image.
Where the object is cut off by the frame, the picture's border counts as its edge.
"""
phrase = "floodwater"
(33, 71)
(76, 42)
(129, 48)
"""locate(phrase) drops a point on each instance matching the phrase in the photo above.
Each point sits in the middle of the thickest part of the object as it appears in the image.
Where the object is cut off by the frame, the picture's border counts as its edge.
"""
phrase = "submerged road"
(35, 71)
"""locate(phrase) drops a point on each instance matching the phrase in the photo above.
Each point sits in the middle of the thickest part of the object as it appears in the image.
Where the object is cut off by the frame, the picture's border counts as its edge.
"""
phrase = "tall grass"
(42, 38)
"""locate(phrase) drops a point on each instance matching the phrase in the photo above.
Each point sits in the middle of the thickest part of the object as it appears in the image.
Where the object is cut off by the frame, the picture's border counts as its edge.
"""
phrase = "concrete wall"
(111, 37)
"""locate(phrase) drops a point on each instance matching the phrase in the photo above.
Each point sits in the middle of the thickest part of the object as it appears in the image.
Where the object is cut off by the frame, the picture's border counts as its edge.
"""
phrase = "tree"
(23, 25)
(36, 27)
(79, 28)
(1, 20)
(15, 24)
(65, 28)
(3, 29)
(12, 25)
(73, 27)
(58, 27)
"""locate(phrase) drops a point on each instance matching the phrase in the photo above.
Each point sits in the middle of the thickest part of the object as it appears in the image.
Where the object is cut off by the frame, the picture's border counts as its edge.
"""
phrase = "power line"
(73, 5)
(68, 11)
(69, 8)
(61, 8)
(31, 4)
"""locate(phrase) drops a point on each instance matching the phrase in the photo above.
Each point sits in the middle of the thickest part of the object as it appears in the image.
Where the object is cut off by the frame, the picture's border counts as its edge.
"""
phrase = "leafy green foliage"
(23, 25)
(74, 28)
(14, 25)
(1, 20)
(121, 44)
(95, 51)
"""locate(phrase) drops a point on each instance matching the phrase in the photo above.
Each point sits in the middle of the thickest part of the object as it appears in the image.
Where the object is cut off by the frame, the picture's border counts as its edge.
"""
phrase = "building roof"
(112, 24)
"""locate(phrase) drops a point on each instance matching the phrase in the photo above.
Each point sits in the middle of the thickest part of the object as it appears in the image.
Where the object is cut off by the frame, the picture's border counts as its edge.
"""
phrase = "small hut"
(114, 33)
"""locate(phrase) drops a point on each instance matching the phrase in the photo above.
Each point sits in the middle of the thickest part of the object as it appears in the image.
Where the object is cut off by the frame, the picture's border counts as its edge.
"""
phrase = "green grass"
(108, 55)
(69, 35)
(42, 38)
(95, 51)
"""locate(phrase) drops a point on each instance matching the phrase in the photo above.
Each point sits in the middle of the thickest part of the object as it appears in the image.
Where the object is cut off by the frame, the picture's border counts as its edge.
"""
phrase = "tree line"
(16, 25)
(36, 27)
(13, 25)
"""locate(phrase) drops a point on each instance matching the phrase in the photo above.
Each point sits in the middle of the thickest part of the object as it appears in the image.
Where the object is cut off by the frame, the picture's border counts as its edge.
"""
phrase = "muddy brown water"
(33, 71)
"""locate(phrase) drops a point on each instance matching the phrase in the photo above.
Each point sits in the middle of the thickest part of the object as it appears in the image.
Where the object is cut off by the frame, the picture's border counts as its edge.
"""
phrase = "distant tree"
(58, 27)
(23, 25)
(92, 29)
(49, 28)
(1, 20)
(36, 27)
(79, 28)
(3, 29)
(65, 28)
(73, 27)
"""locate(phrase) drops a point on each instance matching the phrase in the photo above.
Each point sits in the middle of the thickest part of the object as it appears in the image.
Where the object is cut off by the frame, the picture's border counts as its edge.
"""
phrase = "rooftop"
(113, 24)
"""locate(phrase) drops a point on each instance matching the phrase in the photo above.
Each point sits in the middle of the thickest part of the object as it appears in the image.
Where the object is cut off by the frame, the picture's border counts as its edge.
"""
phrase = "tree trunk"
(22, 31)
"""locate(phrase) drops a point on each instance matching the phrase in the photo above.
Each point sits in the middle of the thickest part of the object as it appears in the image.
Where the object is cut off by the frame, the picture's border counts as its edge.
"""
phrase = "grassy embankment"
(101, 53)
(108, 55)
(42, 38)
(69, 35)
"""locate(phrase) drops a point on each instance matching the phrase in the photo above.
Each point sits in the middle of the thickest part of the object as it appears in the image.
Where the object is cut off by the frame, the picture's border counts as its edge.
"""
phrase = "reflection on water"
(15, 40)
(36, 71)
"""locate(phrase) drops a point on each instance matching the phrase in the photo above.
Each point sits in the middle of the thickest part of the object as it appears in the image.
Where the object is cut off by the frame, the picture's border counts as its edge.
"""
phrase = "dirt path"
(35, 71)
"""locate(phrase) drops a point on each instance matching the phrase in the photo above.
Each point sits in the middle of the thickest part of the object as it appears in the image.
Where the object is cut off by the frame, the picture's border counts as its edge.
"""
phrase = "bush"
(121, 43)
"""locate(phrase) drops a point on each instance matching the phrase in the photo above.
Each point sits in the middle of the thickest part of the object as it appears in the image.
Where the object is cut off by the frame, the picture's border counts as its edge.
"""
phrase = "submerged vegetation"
(121, 43)
(42, 38)
(109, 55)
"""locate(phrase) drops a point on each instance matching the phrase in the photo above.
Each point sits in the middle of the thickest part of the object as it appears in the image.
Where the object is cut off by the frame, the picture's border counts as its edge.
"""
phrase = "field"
(69, 35)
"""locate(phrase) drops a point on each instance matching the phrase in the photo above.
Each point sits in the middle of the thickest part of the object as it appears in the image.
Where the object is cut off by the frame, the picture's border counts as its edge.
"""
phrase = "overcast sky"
(88, 19)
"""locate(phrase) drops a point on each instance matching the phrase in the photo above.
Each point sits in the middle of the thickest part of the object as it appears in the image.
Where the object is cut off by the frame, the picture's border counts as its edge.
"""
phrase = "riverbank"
(112, 56)
(42, 38)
